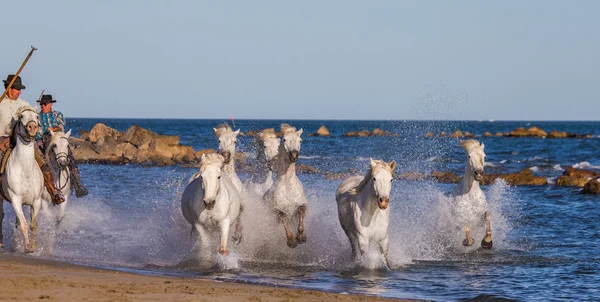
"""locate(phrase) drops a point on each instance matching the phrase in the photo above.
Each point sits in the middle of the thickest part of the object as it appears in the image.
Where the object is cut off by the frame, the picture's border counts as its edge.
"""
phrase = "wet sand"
(26, 278)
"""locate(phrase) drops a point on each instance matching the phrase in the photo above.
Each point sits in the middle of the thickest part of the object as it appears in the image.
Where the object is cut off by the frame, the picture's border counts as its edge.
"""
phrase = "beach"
(26, 278)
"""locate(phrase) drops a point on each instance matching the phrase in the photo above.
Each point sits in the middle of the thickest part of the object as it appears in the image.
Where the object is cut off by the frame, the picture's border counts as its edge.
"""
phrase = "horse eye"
(391, 180)
(284, 140)
(219, 177)
(374, 179)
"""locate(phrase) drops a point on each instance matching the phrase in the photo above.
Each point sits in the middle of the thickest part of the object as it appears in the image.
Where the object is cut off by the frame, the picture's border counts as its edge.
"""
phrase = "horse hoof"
(487, 244)
(467, 242)
(291, 242)
(224, 253)
(301, 238)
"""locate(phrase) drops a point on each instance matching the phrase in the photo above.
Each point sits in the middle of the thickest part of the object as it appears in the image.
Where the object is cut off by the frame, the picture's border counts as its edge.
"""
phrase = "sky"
(366, 60)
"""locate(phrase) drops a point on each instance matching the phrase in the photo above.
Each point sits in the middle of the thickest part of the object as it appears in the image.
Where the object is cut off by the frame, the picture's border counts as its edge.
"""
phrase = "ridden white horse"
(57, 154)
(286, 196)
(470, 201)
(363, 207)
(211, 202)
(22, 181)
(262, 178)
(227, 139)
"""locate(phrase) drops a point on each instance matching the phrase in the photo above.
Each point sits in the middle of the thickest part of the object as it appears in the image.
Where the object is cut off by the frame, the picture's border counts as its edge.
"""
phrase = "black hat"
(46, 98)
(16, 85)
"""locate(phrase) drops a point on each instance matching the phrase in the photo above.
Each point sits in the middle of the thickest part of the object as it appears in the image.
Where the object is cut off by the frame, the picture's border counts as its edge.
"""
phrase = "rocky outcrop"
(322, 131)
(573, 177)
(531, 132)
(523, 178)
(455, 134)
(591, 187)
(105, 145)
(445, 177)
(365, 133)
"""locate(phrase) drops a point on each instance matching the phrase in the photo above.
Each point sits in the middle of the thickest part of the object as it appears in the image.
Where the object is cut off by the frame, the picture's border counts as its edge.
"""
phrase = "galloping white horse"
(227, 139)
(211, 201)
(262, 178)
(363, 207)
(57, 154)
(470, 202)
(286, 196)
(22, 181)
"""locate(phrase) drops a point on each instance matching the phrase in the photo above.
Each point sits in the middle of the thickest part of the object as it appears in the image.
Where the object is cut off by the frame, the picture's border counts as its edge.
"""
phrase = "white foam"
(534, 169)
(503, 161)
(557, 167)
(308, 157)
(432, 159)
(489, 164)
(551, 180)
(585, 165)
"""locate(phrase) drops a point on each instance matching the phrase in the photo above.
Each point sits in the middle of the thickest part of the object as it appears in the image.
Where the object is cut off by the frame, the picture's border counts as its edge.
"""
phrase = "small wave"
(432, 159)
(309, 156)
(585, 165)
(359, 158)
(503, 161)
(488, 164)
(551, 180)
(557, 167)
(534, 169)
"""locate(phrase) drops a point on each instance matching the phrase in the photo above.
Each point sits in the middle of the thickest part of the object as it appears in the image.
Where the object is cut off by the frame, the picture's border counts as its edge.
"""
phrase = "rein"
(58, 156)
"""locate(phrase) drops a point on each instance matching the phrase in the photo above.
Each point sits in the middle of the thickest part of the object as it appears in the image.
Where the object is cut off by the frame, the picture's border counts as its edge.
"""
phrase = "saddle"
(5, 149)
(4, 160)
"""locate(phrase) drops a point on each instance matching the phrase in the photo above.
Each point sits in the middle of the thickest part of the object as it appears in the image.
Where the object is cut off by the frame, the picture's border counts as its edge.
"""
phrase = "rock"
(445, 177)
(203, 151)
(429, 134)
(306, 169)
(411, 176)
(379, 132)
(323, 131)
(457, 133)
(100, 130)
(487, 134)
(442, 134)
(126, 150)
(365, 133)
(523, 178)
(470, 135)
(573, 177)
(591, 187)
(106, 145)
(499, 134)
(556, 134)
(531, 132)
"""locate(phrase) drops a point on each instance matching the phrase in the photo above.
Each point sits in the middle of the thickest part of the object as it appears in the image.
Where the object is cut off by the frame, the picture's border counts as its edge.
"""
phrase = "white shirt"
(8, 110)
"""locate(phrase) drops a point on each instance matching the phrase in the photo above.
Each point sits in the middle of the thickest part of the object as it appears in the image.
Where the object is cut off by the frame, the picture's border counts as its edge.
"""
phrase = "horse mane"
(222, 128)
(470, 144)
(286, 128)
(211, 159)
(266, 134)
(23, 109)
(379, 164)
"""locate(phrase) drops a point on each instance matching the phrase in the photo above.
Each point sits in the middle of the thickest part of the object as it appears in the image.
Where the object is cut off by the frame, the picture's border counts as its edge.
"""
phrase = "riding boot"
(80, 189)
(56, 195)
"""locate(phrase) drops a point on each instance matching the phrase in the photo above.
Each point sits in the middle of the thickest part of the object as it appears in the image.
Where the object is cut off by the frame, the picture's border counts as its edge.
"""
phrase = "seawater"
(546, 238)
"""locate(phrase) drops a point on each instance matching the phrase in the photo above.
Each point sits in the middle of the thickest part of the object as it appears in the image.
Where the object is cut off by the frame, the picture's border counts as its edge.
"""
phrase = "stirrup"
(58, 198)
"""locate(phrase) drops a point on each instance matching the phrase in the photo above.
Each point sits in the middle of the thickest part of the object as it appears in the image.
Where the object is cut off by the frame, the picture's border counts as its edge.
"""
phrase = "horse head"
(381, 173)
(270, 147)
(291, 141)
(476, 158)
(210, 171)
(27, 123)
(59, 146)
(227, 139)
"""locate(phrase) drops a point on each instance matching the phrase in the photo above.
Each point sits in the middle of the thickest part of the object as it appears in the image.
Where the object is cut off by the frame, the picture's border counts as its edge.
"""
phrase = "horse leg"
(283, 218)
(237, 234)
(383, 245)
(363, 244)
(487, 242)
(224, 236)
(352, 241)
(18, 207)
(468, 240)
(301, 237)
(203, 251)
(34, 211)
(61, 213)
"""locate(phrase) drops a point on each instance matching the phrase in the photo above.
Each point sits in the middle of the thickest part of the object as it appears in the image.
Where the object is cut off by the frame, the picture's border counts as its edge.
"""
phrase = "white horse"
(363, 207)
(57, 154)
(470, 201)
(211, 201)
(262, 178)
(227, 139)
(22, 181)
(286, 196)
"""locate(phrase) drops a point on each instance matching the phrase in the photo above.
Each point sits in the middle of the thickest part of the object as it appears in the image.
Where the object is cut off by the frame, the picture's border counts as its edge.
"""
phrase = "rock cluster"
(105, 145)
(365, 133)
(573, 177)
(519, 132)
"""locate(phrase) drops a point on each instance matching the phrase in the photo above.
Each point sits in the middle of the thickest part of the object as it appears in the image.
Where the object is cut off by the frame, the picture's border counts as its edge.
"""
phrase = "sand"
(27, 278)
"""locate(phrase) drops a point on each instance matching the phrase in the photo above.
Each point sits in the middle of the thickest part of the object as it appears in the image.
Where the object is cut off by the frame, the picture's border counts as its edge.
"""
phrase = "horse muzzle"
(227, 156)
(383, 202)
(32, 129)
(293, 156)
(209, 204)
(478, 175)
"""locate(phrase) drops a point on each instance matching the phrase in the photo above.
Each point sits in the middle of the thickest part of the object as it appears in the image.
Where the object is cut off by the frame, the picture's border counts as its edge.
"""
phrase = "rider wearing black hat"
(54, 120)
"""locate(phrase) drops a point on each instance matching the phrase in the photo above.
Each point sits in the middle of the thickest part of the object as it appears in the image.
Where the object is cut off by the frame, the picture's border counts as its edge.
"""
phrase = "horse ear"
(393, 165)
(68, 133)
(482, 146)
(299, 132)
(215, 130)
(237, 132)
(372, 162)
(51, 132)
(202, 157)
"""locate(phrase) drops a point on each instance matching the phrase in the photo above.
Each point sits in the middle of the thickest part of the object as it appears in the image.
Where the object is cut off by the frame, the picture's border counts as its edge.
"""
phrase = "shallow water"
(546, 239)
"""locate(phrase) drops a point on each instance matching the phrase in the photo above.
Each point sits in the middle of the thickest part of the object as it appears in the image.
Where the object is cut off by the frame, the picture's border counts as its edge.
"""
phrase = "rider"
(54, 120)
(8, 111)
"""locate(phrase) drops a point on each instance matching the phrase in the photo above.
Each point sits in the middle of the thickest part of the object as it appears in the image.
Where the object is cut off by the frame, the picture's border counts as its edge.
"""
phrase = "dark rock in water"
(365, 133)
(429, 134)
(323, 131)
(306, 169)
(487, 134)
(445, 177)
(523, 178)
(557, 134)
(591, 187)
(531, 132)
(414, 176)
(573, 177)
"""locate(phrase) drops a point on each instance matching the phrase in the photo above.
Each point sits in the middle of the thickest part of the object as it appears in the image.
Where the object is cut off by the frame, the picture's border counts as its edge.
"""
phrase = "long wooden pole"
(17, 74)
(40, 98)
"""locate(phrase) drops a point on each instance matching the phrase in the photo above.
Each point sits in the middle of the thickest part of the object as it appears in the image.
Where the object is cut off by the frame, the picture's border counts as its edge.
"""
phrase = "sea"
(546, 238)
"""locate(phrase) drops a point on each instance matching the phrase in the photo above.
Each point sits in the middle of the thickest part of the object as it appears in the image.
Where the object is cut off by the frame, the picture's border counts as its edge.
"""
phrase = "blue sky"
(475, 60)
